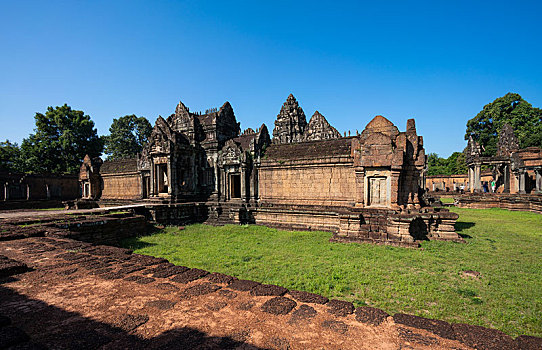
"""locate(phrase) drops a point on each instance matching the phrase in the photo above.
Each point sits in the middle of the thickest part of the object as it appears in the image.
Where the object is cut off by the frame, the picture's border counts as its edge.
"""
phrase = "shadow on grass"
(461, 226)
(135, 243)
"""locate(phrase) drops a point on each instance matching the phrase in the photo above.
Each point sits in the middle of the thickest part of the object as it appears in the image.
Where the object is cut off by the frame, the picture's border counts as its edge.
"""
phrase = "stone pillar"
(216, 179)
(538, 181)
(506, 179)
(521, 178)
(152, 180)
(243, 184)
(254, 189)
(394, 191)
(47, 191)
(360, 193)
(478, 178)
(6, 191)
(27, 192)
(471, 187)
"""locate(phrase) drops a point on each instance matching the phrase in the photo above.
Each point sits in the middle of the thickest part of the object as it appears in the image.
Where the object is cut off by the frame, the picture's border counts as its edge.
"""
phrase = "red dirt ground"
(79, 296)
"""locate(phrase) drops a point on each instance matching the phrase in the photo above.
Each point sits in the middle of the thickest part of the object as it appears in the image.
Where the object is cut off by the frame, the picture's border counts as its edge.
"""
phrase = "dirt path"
(83, 296)
(18, 214)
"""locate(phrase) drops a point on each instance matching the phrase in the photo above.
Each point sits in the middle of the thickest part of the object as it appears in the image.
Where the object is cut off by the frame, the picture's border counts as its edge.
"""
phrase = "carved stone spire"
(320, 129)
(508, 142)
(290, 123)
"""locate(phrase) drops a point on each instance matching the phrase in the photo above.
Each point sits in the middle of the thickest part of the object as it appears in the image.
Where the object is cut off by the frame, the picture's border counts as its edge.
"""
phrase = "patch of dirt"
(303, 313)
(410, 336)
(306, 297)
(216, 277)
(128, 322)
(226, 293)
(190, 275)
(482, 338)
(340, 307)
(200, 289)
(10, 267)
(10, 336)
(243, 285)
(335, 326)
(278, 306)
(168, 287)
(525, 342)
(441, 328)
(216, 306)
(371, 315)
(170, 271)
(161, 304)
(268, 290)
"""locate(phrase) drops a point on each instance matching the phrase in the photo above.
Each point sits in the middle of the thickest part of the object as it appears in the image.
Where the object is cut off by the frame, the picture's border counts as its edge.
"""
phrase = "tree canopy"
(62, 138)
(10, 157)
(525, 119)
(127, 137)
(454, 164)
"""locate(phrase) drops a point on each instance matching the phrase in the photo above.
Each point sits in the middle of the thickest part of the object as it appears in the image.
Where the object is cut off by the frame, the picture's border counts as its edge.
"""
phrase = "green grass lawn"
(505, 247)
(447, 200)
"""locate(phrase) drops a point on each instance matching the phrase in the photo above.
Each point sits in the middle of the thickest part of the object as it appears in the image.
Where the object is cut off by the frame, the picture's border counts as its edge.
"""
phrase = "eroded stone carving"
(290, 123)
(319, 129)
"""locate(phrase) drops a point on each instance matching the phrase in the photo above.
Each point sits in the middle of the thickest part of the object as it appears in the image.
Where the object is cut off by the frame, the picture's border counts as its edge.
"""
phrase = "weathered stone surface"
(306, 297)
(335, 326)
(508, 142)
(319, 129)
(303, 313)
(340, 307)
(278, 306)
(190, 275)
(441, 328)
(220, 278)
(268, 290)
(129, 322)
(290, 123)
(200, 289)
(481, 338)
(243, 285)
(370, 315)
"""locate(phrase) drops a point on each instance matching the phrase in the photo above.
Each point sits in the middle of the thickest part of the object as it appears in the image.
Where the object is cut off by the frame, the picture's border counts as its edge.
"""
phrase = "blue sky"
(439, 62)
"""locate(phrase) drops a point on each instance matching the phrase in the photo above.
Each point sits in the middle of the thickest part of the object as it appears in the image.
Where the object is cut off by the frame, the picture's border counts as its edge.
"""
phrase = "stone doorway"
(378, 194)
(161, 177)
(146, 186)
(235, 186)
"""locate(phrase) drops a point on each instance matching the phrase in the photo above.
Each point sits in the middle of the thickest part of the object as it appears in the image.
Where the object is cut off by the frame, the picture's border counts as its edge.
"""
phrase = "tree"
(127, 137)
(525, 119)
(454, 164)
(62, 138)
(10, 157)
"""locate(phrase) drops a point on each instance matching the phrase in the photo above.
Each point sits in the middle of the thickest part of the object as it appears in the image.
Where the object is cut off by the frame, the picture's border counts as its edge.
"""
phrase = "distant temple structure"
(515, 170)
(363, 188)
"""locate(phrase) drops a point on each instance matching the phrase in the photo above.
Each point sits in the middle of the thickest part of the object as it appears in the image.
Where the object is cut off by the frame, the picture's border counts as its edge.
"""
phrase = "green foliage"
(525, 119)
(10, 157)
(62, 138)
(454, 164)
(127, 137)
(504, 246)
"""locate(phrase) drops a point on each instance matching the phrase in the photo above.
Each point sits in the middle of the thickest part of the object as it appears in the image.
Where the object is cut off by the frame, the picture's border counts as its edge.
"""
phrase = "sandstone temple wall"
(327, 182)
(121, 186)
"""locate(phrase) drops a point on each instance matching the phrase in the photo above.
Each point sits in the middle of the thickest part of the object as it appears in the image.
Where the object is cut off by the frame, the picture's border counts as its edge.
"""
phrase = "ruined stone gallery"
(365, 187)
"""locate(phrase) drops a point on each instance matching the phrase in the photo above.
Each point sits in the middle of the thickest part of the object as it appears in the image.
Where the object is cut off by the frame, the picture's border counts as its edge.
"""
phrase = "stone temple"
(200, 167)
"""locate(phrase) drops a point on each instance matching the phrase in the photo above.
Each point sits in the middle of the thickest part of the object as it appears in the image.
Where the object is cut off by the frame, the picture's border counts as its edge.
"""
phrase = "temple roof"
(310, 149)
(123, 165)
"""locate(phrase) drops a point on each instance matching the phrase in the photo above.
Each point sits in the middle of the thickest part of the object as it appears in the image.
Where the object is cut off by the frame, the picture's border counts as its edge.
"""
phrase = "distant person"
(486, 187)
(493, 186)
(462, 189)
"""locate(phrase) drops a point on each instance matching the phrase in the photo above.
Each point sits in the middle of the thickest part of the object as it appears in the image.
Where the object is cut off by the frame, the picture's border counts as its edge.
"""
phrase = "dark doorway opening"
(161, 172)
(235, 186)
